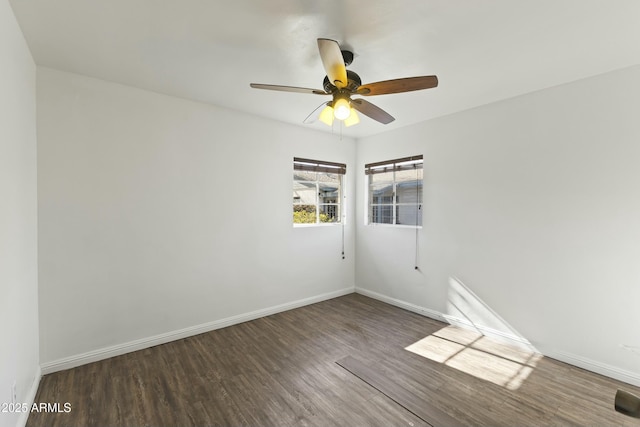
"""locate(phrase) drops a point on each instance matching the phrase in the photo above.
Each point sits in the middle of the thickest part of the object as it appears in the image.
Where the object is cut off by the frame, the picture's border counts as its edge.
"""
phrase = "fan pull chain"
(419, 207)
(343, 238)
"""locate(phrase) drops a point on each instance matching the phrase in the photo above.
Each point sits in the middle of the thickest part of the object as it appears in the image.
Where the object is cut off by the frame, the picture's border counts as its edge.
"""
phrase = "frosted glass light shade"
(353, 119)
(326, 115)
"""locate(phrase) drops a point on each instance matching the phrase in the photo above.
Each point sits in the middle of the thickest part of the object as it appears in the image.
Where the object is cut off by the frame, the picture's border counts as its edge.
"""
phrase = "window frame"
(394, 166)
(317, 166)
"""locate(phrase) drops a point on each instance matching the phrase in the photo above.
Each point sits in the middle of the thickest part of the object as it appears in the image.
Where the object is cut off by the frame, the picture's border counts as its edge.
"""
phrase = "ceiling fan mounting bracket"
(347, 56)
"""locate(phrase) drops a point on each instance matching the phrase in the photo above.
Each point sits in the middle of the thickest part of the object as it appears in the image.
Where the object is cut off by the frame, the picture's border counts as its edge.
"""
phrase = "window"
(395, 191)
(317, 191)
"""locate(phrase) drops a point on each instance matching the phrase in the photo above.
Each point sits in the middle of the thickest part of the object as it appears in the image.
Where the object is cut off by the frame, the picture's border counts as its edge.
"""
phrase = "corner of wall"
(31, 396)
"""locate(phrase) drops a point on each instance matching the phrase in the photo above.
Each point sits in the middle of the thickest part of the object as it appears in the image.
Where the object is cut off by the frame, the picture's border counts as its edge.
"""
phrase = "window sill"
(324, 224)
(375, 224)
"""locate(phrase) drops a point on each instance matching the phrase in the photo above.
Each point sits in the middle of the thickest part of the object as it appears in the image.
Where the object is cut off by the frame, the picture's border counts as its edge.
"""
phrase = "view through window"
(395, 191)
(317, 191)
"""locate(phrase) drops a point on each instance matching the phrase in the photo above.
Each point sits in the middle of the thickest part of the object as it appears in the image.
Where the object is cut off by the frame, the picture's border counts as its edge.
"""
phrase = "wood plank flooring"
(395, 391)
(281, 370)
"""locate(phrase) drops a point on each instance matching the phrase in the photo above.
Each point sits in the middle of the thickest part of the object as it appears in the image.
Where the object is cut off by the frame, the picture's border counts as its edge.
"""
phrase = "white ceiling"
(481, 50)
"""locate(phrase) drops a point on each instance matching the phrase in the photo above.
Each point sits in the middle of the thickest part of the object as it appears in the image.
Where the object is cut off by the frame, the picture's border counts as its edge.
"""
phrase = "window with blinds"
(317, 191)
(395, 191)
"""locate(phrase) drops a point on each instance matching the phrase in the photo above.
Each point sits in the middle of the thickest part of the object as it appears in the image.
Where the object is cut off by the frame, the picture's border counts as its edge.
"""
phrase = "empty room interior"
(462, 246)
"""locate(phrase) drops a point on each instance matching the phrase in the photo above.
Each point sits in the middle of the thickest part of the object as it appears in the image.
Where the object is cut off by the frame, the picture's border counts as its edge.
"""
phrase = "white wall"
(159, 214)
(18, 216)
(145, 228)
(533, 203)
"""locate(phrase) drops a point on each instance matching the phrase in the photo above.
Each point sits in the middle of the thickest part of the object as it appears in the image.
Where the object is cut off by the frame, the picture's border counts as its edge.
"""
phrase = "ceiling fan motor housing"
(353, 82)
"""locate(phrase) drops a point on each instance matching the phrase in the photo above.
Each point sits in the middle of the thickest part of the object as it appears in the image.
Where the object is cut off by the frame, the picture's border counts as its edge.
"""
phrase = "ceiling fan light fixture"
(341, 84)
(353, 119)
(326, 115)
(341, 109)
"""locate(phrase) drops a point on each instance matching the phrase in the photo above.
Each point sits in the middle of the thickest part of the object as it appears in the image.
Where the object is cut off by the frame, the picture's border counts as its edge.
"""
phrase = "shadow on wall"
(479, 342)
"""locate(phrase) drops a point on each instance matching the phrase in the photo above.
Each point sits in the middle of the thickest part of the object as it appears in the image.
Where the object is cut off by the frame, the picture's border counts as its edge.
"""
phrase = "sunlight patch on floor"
(478, 355)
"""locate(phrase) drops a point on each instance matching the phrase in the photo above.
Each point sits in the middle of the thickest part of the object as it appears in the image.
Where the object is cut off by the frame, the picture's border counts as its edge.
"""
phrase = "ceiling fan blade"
(370, 110)
(313, 116)
(398, 85)
(288, 89)
(333, 62)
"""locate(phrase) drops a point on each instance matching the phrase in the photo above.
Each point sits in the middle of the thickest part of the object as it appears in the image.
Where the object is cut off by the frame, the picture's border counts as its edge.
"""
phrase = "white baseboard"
(597, 367)
(445, 318)
(402, 304)
(128, 347)
(571, 359)
(30, 397)
(490, 332)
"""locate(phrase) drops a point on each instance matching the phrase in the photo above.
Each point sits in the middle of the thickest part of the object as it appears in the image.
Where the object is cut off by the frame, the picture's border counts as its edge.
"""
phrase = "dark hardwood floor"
(281, 370)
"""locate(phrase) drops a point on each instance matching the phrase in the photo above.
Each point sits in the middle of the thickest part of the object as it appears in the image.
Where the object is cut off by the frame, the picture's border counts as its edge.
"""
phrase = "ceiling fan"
(341, 84)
